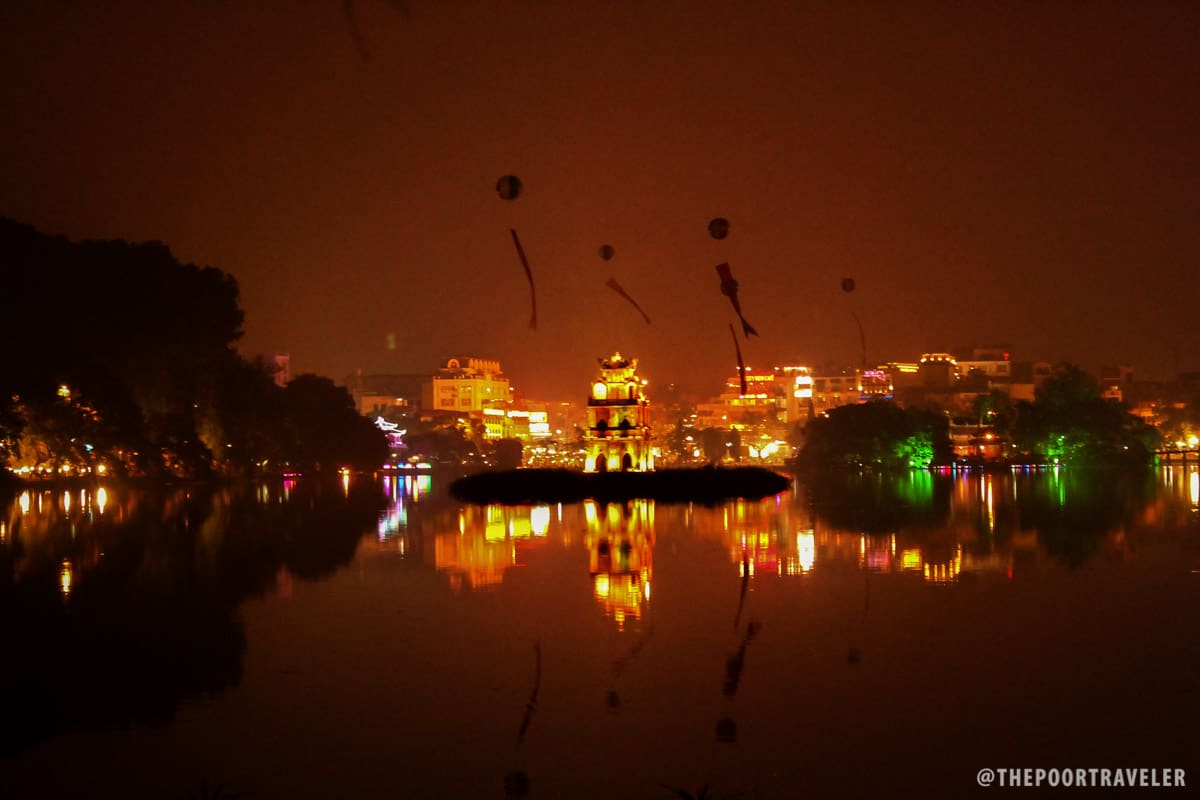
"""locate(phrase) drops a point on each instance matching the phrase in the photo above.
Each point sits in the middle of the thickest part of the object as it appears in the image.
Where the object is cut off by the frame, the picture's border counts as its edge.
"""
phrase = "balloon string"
(528, 274)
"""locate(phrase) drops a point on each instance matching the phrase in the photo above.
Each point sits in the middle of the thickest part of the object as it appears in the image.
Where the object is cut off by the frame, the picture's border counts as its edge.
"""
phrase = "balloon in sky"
(718, 228)
(509, 187)
(847, 284)
(607, 252)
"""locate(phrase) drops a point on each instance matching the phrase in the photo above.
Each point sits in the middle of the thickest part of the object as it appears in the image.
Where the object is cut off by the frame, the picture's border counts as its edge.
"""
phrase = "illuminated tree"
(1069, 422)
(877, 434)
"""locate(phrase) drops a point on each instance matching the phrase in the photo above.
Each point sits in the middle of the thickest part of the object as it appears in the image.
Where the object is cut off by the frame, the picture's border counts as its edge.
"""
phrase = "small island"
(683, 485)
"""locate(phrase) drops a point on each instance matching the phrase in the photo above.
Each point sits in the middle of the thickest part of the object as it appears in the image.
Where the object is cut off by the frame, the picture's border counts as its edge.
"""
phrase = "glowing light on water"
(24, 502)
(101, 499)
(806, 550)
(66, 501)
(1194, 487)
(539, 520)
(65, 577)
(990, 502)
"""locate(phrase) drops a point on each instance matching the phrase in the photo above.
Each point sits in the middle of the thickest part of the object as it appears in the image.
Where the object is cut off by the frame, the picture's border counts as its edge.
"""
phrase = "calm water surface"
(857, 637)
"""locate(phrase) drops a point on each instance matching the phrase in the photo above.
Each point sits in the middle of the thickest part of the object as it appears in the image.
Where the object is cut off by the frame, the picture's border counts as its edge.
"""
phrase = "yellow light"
(539, 520)
(24, 501)
(101, 469)
(101, 498)
(601, 585)
(806, 550)
(65, 575)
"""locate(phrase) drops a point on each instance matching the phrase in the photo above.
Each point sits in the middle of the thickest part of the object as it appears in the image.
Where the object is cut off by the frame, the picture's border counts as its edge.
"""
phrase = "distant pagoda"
(618, 433)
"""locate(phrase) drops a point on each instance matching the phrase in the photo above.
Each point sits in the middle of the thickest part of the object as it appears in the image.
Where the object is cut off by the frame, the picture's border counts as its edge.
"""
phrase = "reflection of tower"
(620, 542)
(618, 431)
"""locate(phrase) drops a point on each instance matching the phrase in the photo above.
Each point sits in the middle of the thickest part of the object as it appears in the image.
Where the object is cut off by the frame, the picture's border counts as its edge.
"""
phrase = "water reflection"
(620, 543)
(137, 592)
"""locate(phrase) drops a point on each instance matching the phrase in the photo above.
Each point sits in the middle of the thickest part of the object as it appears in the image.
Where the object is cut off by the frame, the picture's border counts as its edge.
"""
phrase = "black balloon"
(718, 228)
(847, 284)
(509, 187)
(607, 252)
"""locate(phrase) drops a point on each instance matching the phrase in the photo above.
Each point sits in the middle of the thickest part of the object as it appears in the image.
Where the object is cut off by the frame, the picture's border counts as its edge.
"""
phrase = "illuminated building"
(467, 384)
(993, 362)
(385, 395)
(976, 442)
(833, 391)
(617, 437)
(798, 393)
(938, 371)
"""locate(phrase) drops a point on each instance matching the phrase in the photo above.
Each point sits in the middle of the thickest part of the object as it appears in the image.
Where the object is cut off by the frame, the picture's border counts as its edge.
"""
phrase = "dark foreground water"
(856, 637)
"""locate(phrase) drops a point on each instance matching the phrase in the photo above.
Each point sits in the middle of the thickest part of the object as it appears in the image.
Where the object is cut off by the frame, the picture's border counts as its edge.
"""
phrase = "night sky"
(1010, 173)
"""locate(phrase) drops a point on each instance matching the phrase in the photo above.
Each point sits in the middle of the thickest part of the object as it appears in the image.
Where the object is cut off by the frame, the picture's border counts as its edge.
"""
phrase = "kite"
(607, 252)
(847, 284)
(741, 364)
(529, 275)
(616, 287)
(718, 227)
(729, 288)
(508, 187)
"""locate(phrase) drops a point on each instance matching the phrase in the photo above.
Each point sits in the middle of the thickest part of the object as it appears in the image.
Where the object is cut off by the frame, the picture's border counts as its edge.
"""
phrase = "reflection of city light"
(1194, 487)
(346, 482)
(806, 550)
(601, 585)
(101, 498)
(945, 573)
(65, 575)
(520, 528)
(66, 501)
(589, 512)
(910, 559)
(24, 502)
(991, 503)
(494, 529)
(539, 520)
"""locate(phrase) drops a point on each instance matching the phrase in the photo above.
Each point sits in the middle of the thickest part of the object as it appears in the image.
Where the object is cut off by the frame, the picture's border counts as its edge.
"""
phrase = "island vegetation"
(118, 359)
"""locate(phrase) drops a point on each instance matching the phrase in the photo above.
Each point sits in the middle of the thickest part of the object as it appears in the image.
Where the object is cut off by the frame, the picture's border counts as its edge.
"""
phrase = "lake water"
(857, 636)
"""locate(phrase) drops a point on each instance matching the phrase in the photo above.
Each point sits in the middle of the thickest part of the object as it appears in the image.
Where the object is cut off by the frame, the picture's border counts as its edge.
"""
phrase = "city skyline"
(984, 174)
